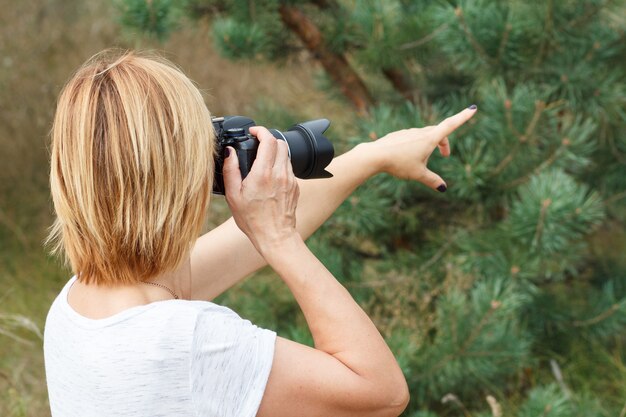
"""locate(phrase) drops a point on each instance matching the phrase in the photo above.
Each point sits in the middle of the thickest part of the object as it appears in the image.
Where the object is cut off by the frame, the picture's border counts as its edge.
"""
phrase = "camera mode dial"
(235, 135)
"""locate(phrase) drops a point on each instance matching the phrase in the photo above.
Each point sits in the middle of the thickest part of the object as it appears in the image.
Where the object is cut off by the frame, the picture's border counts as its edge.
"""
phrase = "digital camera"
(309, 151)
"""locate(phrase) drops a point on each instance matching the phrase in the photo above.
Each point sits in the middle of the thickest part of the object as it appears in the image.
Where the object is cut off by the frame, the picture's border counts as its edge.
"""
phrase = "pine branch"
(540, 106)
(470, 36)
(600, 317)
(476, 331)
(545, 204)
(337, 66)
(505, 161)
(545, 164)
(614, 198)
(547, 30)
(509, 119)
(425, 39)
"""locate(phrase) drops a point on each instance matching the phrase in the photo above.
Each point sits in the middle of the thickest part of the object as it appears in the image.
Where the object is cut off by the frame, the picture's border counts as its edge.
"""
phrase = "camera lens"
(309, 149)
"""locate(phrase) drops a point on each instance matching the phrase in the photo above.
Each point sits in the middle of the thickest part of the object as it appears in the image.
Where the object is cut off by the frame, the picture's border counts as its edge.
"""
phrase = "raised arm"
(351, 371)
(224, 256)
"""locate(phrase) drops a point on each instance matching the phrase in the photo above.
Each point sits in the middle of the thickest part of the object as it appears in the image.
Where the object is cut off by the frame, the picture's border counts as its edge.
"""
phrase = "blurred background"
(505, 296)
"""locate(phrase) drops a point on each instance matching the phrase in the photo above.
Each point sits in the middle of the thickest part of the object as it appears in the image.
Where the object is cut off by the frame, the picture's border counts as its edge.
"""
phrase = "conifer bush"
(480, 289)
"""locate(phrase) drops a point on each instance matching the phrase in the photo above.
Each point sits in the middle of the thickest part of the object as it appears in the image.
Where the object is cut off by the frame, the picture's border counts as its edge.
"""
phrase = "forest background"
(505, 296)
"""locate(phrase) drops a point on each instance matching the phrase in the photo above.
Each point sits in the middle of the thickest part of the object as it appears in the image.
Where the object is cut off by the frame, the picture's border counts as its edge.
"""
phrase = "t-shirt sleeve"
(230, 363)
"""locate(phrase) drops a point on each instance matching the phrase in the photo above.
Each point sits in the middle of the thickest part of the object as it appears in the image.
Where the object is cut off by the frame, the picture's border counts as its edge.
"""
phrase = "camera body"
(233, 131)
(309, 151)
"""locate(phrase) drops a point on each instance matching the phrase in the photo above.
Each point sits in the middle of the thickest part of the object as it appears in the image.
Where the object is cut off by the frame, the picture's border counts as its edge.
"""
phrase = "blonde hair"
(131, 168)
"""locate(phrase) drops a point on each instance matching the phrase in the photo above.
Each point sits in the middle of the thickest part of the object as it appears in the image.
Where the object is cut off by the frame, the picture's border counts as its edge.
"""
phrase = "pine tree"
(479, 290)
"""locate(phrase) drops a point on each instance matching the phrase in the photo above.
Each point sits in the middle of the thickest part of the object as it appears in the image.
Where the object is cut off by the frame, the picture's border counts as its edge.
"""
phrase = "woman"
(131, 173)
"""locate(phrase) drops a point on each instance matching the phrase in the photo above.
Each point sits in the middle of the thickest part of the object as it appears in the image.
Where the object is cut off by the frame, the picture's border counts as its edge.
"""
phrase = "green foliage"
(546, 401)
(552, 212)
(475, 290)
(239, 40)
(378, 39)
(250, 31)
(157, 18)
(475, 335)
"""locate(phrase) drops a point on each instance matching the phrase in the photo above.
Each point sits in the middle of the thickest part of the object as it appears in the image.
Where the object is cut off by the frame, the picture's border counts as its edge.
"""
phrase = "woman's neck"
(99, 301)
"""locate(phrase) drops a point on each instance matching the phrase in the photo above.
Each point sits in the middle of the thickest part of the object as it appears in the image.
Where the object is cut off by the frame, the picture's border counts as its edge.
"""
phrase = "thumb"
(231, 172)
(433, 181)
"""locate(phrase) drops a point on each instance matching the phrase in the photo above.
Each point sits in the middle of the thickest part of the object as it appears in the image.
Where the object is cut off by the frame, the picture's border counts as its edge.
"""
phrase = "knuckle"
(266, 176)
(280, 177)
(259, 177)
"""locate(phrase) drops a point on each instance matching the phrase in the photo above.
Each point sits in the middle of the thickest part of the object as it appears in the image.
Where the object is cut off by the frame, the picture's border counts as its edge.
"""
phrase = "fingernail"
(227, 153)
(472, 107)
(442, 188)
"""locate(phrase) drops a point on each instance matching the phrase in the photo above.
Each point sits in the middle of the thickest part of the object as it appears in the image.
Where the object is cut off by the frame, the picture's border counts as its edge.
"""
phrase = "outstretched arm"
(224, 256)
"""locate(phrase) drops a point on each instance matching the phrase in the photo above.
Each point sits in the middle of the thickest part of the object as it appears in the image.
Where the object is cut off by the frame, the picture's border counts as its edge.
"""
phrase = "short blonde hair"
(131, 168)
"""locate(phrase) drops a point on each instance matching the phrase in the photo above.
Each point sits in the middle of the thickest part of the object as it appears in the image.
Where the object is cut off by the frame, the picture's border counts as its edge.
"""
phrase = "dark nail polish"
(227, 153)
(472, 107)
(442, 188)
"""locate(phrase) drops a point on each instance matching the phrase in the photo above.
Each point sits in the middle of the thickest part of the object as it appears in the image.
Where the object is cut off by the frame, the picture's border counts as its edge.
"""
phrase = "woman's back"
(172, 357)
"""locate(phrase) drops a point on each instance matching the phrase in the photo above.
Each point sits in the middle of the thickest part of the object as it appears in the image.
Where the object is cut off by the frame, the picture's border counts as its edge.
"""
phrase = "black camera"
(310, 152)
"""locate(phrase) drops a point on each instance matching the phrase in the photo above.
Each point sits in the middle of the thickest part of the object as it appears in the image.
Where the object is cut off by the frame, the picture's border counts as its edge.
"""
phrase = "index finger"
(266, 153)
(452, 123)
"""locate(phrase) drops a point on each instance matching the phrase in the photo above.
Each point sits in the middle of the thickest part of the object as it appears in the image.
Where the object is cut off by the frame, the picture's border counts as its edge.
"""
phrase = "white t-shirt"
(166, 358)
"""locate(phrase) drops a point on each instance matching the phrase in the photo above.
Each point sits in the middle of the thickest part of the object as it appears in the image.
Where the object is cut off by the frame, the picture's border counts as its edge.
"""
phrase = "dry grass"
(41, 44)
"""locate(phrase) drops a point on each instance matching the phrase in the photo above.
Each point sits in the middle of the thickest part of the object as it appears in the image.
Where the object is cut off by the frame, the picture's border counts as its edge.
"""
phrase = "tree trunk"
(336, 66)
(401, 83)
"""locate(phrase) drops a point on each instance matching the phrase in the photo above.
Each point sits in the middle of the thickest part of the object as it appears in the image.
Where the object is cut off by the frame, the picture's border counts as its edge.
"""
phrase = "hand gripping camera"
(310, 152)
